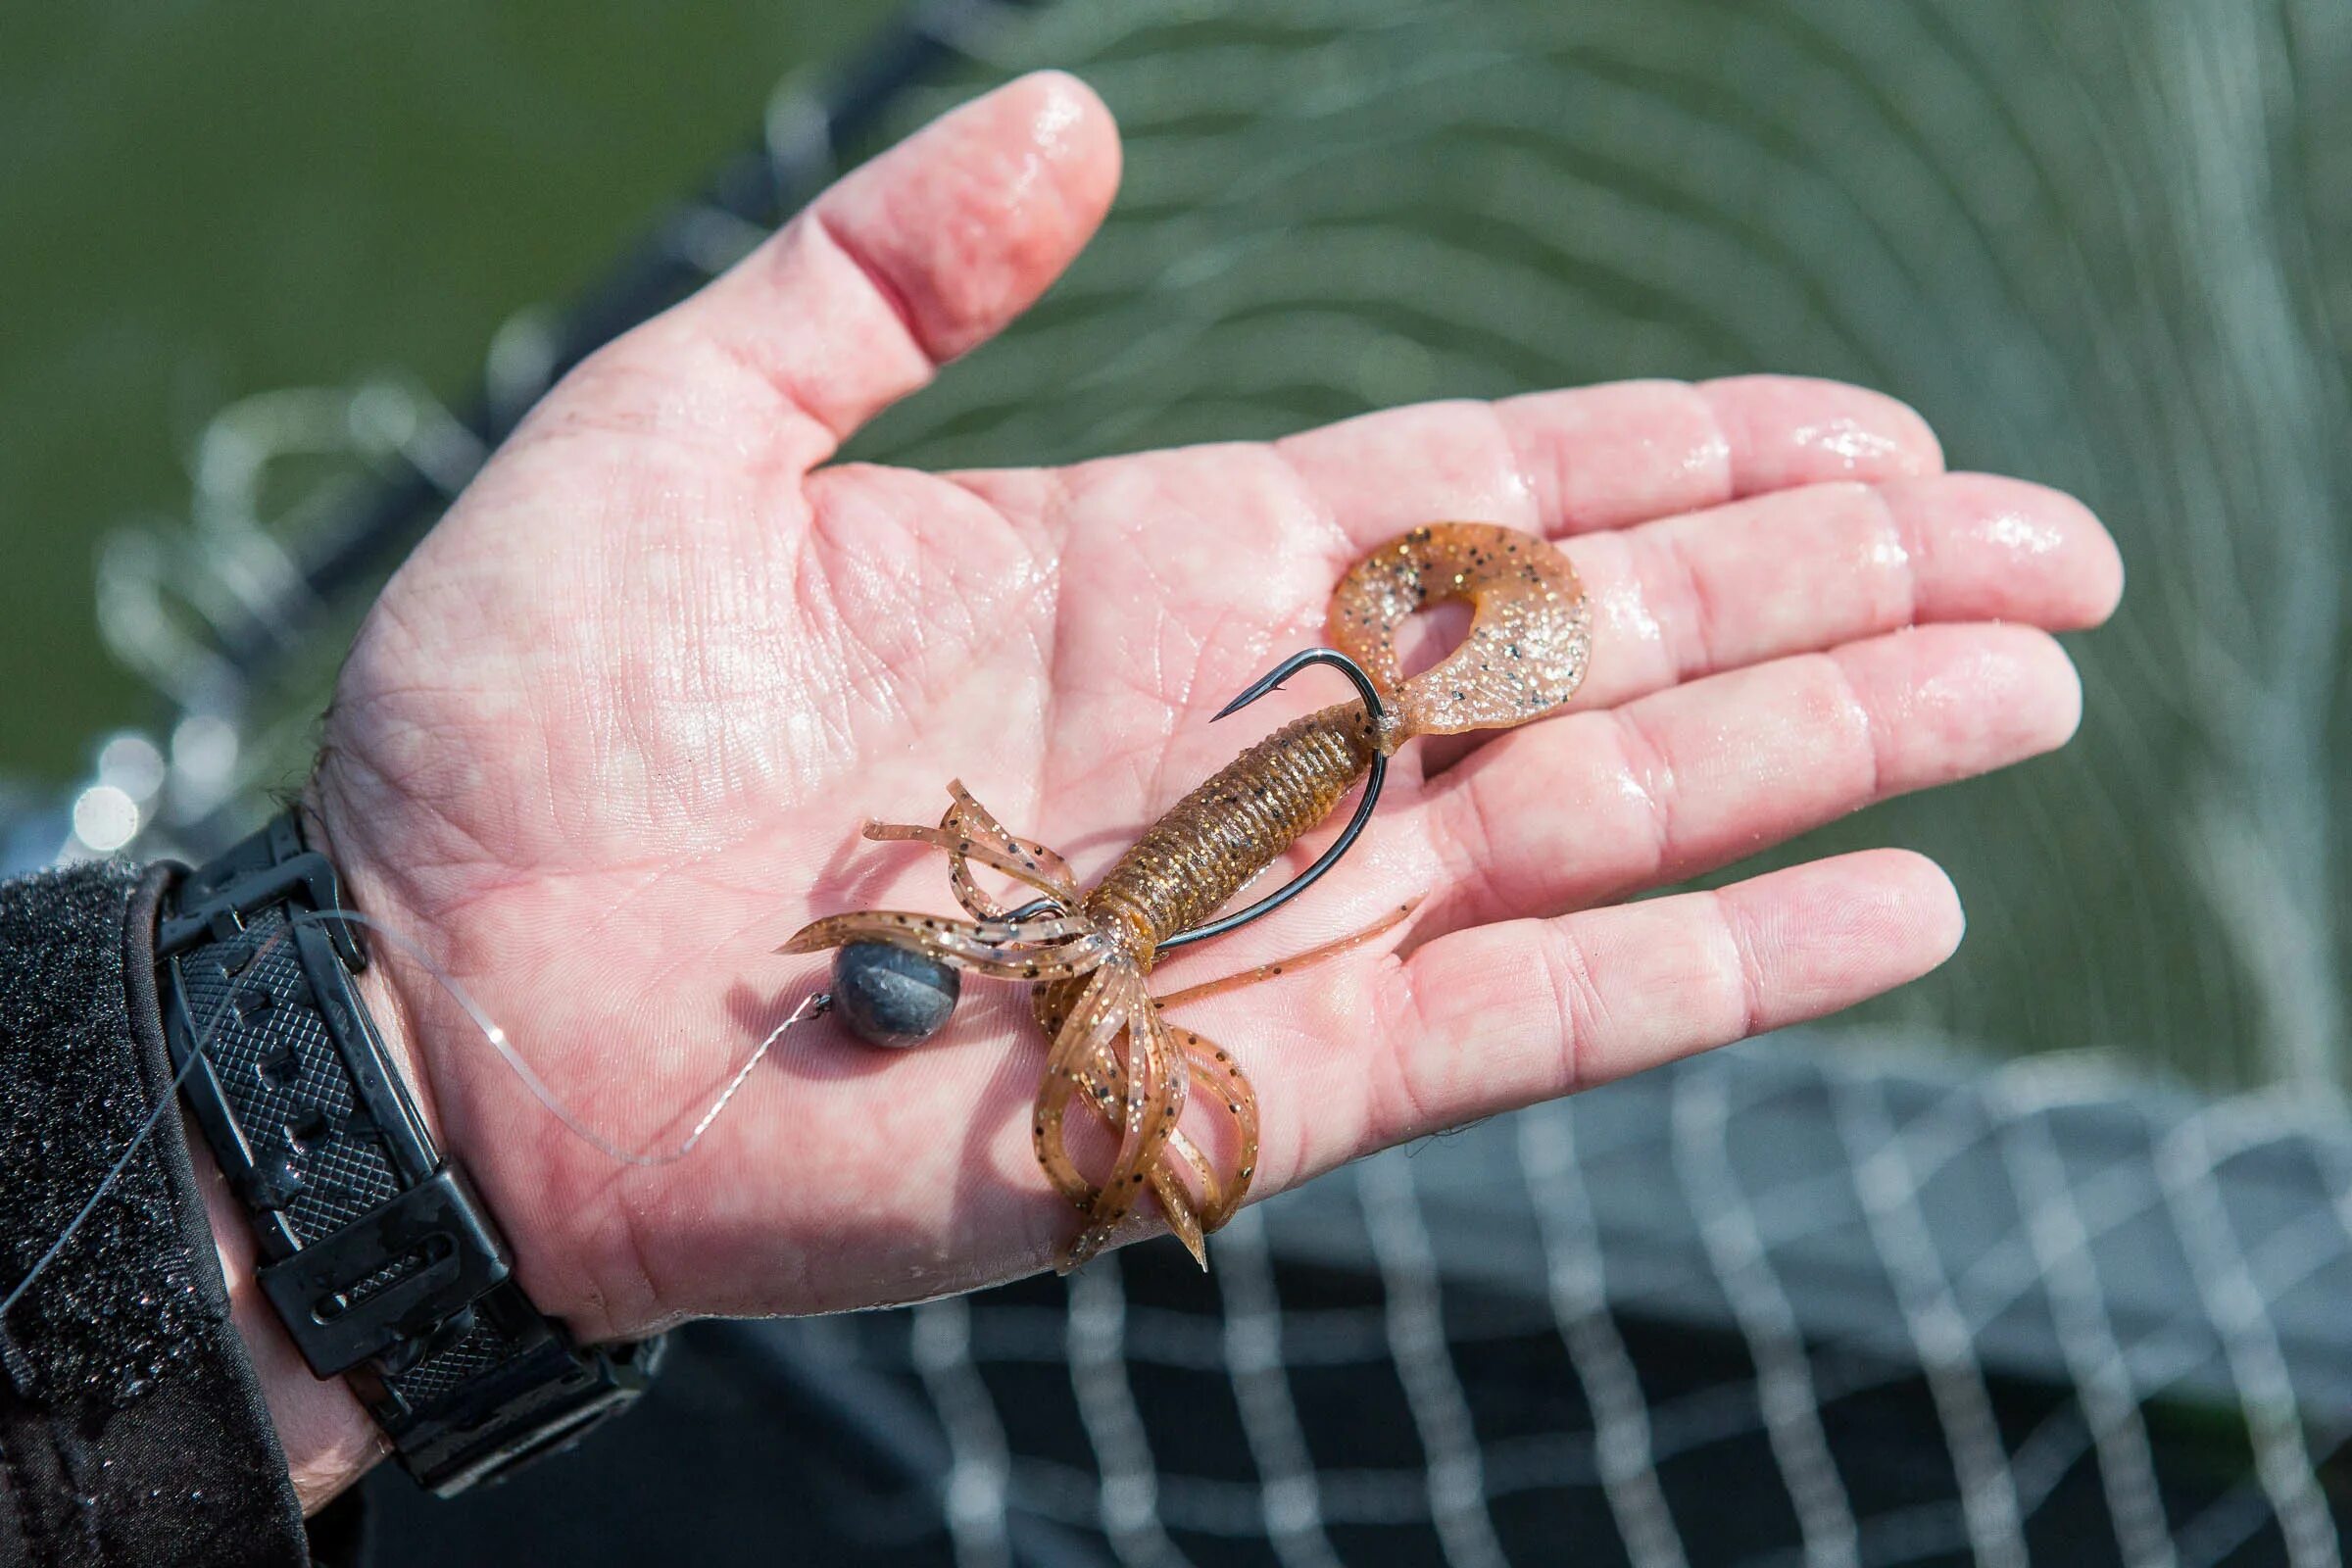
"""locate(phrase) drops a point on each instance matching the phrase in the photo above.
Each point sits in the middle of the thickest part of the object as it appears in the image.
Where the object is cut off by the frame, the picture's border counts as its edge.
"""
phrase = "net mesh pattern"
(1765, 1307)
(1897, 1320)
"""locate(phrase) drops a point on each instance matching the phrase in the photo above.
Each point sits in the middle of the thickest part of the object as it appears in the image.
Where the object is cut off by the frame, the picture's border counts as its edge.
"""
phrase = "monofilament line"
(810, 1007)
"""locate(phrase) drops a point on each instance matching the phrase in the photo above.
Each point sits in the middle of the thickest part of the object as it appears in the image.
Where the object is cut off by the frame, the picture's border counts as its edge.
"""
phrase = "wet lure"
(1087, 952)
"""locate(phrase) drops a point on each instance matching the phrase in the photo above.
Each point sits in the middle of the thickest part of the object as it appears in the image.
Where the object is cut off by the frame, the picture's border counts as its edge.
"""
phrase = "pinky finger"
(1504, 1015)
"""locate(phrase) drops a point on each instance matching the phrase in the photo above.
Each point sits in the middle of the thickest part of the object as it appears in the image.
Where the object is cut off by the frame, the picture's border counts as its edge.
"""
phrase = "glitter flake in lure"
(1111, 1053)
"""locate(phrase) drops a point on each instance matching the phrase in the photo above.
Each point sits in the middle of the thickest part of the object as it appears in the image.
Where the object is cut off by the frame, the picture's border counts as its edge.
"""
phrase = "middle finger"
(1807, 570)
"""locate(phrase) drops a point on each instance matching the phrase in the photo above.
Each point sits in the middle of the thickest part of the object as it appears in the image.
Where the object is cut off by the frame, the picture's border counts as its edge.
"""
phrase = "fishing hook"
(1272, 681)
(1373, 780)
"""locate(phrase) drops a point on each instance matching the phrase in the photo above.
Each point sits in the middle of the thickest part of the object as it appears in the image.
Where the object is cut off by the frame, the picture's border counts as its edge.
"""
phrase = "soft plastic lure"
(1087, 952)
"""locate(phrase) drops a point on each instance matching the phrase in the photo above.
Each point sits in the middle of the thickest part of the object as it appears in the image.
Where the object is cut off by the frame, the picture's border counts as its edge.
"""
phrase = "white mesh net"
(1775, 1305)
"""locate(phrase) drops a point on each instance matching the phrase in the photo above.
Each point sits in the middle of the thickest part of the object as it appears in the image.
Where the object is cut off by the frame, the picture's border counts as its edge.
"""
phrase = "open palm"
(607, 737)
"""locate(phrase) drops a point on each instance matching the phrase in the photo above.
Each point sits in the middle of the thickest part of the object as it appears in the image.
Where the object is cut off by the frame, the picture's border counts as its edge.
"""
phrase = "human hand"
(608, 736)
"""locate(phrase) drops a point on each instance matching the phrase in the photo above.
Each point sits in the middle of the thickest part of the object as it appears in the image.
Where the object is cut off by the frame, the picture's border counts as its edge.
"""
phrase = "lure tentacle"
(967, 817)
(1094, 1020)
(1056, 948)
(1221, 1078)
(1014, 864)
(1153, 1102)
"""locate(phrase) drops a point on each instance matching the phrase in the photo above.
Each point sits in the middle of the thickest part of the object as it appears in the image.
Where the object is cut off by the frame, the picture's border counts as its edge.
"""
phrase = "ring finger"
(1590, 807)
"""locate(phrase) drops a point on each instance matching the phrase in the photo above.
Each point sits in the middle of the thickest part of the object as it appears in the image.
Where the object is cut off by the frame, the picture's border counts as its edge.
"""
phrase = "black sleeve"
(132, 1428)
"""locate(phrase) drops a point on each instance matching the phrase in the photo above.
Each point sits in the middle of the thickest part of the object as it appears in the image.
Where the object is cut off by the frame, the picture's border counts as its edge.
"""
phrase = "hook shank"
(1373, 780)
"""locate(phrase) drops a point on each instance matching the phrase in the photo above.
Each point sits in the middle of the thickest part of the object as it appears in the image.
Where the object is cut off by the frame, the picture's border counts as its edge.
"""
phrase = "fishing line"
(810, 1007)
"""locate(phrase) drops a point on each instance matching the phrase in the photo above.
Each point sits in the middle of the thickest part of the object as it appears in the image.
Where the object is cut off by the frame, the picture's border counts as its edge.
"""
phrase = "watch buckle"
(220, 917)
(342, 1309)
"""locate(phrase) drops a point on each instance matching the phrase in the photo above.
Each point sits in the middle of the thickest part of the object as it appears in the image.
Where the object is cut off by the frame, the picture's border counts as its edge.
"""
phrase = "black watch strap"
(382, 1262)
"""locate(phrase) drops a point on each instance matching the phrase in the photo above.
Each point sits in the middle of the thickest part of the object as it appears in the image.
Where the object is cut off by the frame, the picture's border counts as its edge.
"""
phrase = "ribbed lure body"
(1212, 843)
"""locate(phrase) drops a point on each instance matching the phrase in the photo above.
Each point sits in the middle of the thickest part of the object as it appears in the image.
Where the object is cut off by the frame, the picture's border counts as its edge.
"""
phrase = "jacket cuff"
(131, 1426)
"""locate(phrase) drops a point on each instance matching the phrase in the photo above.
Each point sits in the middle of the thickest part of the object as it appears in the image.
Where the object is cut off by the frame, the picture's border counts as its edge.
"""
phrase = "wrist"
(328, 1439)
(388, 1009)
(366, 1243)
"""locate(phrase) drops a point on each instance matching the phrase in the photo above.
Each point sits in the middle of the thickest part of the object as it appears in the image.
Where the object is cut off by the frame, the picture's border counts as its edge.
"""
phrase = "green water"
(198, 202)
(2107, 246)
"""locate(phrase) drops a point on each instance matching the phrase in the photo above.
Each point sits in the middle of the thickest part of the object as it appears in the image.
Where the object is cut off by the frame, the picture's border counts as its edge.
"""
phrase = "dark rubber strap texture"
(381, 1262)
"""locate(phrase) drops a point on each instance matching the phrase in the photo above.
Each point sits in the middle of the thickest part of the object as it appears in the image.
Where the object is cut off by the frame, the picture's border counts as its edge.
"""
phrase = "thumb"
(926, 252)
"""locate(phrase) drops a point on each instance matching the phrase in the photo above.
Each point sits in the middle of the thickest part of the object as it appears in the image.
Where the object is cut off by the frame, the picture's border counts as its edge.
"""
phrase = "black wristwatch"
(380, 1259)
